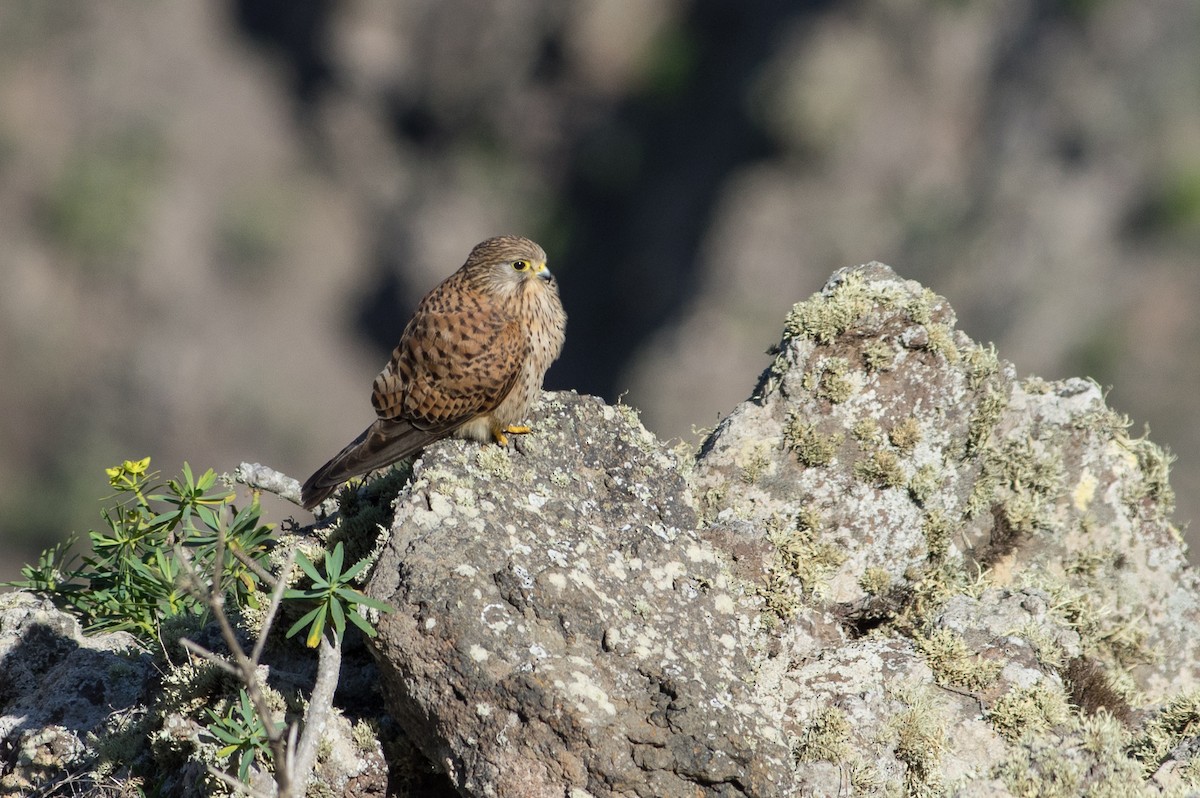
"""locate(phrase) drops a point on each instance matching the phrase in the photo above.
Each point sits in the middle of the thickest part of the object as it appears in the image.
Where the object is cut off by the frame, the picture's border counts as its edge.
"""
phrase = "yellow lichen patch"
(1085, 491)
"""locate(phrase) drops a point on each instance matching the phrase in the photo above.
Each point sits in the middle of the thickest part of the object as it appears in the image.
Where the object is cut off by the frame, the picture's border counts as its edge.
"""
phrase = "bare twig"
(209, 656)
(246, 667)
(262, 573)
(237, 786)
(320, 703)
(261, 477)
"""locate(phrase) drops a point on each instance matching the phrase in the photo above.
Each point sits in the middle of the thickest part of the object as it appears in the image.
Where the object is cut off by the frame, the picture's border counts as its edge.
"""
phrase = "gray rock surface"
(564, 626)
(57, 689)
(895, 569)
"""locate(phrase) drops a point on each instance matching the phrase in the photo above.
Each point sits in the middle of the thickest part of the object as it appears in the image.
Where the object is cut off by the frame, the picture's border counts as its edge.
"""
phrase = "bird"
(470, 363)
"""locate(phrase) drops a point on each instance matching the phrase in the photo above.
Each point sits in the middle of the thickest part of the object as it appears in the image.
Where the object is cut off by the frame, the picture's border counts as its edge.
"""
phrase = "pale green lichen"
(779, 598)
(981, 363)
(801, 551)
(1030, 711)
(1035, 385)
(712, 501)
(810, 446)
(919, 732)
(823, 317)
(925, 481)
(826, 737)
(881, 468)
(834, 383)
(987, 413)
(867, 431)
(919, 307)
(878, 355)
(940, 340)
(954, 663)
(982, 496)
(1176, 721)
(1155, 464)
(495, 461)
(1040, 768)
(365, 735)
(1111, 636)
(754, 466)
(1103, 421)
(1025, 477)
(937, 530)
(875, 581)
(905, 434)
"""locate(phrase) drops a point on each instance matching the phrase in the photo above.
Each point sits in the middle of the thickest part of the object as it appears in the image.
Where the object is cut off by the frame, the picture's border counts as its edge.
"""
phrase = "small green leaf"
(307, 566)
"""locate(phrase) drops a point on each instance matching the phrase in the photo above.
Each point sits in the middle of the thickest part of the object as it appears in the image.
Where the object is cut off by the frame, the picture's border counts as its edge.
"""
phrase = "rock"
(57, 689)
(895, 566)
(562, 625)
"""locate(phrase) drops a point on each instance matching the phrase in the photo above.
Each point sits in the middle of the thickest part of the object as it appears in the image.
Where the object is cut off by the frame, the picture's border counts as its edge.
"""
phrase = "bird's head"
(508, 264)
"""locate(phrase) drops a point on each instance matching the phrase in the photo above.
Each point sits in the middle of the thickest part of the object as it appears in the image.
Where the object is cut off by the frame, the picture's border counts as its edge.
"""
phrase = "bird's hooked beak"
(539, 268)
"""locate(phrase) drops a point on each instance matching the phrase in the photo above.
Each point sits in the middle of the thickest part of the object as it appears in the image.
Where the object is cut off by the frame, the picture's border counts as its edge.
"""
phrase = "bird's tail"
(381, 444)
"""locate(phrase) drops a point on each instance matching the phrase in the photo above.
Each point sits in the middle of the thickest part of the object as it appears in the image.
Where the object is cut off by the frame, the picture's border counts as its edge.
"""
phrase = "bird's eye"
(520, 265)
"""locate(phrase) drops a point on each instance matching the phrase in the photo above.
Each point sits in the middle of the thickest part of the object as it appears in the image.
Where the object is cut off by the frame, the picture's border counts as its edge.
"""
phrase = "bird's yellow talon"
(512, 429)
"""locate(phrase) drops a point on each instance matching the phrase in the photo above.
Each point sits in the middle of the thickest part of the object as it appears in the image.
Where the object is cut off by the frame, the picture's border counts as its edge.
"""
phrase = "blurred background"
(217, 217)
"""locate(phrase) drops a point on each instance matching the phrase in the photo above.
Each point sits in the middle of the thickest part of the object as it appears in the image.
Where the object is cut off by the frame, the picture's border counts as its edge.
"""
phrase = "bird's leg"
(498, 432)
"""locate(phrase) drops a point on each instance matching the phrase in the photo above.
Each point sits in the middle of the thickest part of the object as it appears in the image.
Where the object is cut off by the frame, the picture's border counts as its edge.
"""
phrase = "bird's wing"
(449, 367)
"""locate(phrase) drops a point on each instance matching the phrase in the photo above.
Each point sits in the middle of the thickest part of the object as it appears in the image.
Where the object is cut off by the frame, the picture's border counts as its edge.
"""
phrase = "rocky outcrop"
(895, 565)
(59, 690)
(896, 569)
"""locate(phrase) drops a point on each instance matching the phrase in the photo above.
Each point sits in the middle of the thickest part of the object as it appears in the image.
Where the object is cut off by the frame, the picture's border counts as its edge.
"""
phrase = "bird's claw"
(511, 429)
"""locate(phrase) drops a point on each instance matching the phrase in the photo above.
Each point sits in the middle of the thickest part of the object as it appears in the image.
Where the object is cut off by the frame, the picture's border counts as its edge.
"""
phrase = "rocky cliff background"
(217, 216)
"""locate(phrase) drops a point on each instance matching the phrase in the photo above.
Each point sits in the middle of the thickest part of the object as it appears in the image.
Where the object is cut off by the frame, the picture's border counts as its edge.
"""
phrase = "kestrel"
(470, 362)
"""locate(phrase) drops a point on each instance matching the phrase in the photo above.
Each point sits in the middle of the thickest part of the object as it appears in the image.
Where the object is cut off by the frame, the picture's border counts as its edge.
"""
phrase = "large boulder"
(895, 566)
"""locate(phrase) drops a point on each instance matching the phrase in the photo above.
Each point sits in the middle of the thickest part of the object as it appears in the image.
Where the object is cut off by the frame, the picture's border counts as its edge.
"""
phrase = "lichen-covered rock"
(80, 709)
(562, 625)
(896, 569)
(57, 688)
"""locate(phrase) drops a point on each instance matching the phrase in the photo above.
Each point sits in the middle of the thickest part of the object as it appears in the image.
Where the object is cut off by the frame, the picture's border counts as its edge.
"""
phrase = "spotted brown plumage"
(470, 362)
